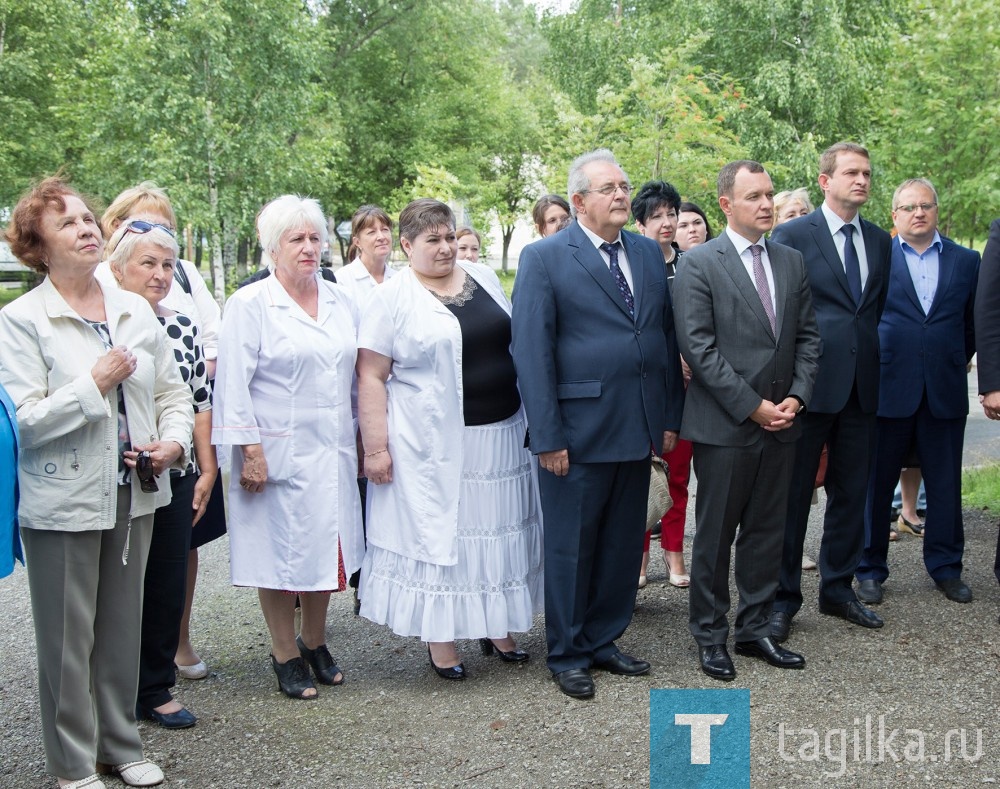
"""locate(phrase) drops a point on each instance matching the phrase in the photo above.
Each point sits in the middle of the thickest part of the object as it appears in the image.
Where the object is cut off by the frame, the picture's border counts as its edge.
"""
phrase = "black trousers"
(164, 590)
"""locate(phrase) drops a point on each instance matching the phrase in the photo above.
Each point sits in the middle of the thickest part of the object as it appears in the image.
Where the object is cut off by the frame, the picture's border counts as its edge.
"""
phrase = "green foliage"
(945, 111)
(981, 488)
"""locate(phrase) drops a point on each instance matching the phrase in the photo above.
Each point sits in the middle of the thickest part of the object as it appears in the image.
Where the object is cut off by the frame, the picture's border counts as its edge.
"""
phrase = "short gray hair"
(124, 243)
(281, 215)
(912, 182)
(578, 182)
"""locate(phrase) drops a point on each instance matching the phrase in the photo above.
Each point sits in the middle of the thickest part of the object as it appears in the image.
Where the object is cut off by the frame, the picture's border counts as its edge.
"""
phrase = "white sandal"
(90, 782)
(142, 773)
(197, 671)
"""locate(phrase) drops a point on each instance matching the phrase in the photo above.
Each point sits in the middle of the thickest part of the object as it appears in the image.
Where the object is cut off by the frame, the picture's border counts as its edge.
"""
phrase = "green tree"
(945, 111)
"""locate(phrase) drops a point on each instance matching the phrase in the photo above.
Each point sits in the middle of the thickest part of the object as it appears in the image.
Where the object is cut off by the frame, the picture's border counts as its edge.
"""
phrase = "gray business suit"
(743, 471)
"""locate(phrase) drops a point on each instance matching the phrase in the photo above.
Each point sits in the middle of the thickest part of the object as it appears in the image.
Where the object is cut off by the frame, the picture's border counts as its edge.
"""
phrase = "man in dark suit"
(988, 337)
(847, 260)
(927, 339)
(746, 328)
(599, 375)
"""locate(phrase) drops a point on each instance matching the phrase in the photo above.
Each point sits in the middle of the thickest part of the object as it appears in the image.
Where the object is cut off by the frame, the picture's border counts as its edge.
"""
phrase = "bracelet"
(373, 454)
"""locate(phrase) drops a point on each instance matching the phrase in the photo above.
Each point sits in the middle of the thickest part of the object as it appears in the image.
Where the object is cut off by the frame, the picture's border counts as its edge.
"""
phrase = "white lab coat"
(416, 515)
(284, 381)
(355, 277)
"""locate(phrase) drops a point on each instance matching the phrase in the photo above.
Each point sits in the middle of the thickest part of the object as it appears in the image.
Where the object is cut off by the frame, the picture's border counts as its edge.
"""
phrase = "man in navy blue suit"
(847, 261)
(599, 374)
(927, 339)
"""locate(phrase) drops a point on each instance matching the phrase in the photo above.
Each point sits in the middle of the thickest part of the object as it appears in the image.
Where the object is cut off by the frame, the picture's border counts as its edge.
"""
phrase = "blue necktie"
(619, 275)
(851, 263)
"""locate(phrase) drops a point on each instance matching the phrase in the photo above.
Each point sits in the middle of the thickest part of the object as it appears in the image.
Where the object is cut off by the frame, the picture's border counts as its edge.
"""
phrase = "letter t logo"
(701, 734)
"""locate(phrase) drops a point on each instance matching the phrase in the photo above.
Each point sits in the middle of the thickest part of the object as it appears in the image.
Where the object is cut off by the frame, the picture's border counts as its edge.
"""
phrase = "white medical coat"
(284, 381)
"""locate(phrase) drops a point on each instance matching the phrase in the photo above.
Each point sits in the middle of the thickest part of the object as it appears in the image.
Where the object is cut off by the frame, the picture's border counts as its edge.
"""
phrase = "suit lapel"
(590, 259)
(900, 274)
(823, 239)
(636, 262)
(872, 286)
(780, 286)
(733, 265)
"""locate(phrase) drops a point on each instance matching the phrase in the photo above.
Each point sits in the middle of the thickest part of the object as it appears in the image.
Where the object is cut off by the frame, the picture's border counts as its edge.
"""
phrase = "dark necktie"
(619, 275)
(851, 263)
(760, 280)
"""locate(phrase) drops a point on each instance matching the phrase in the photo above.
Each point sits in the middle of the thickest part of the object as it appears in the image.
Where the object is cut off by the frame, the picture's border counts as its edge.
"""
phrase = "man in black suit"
(599, 374)
(745, 326)
(988, 336)
(847, 260)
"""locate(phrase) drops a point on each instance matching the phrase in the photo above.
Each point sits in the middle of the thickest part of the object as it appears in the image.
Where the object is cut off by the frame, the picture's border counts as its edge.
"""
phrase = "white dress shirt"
(622, 257)
(746, 257)
(836, 224)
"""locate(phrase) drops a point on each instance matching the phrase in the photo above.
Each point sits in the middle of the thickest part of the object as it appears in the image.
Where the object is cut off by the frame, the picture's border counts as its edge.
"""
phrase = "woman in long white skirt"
(454, 531)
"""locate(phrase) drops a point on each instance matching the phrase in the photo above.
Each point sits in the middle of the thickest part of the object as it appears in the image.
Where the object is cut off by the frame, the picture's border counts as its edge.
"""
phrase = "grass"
(507, 280)
(981, 488)
(7, 295)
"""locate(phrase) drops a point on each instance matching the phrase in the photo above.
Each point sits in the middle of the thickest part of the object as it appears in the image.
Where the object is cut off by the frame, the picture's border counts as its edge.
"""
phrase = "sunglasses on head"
(141, 226)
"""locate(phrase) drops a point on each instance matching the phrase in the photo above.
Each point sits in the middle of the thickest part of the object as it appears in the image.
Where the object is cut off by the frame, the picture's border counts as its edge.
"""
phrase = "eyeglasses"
(909, 209)
(610, 189)
(141, 226)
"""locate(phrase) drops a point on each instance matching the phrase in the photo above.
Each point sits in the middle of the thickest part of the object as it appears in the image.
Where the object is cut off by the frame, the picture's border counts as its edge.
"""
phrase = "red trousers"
(672, 525)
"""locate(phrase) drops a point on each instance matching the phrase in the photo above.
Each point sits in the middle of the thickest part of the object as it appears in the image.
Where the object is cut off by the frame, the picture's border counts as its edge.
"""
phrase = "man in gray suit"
(745, 325)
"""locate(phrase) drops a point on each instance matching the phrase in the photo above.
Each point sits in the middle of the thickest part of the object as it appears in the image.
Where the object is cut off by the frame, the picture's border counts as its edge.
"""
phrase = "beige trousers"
(87, 607)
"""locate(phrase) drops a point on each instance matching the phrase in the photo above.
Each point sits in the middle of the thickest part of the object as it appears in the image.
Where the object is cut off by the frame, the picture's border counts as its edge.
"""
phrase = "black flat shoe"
(182, 719)
(323, 665)
(716, 663)
(575, 682)
(452, 672)
(293, 678)
(854, 612)
(514, 656)
(768, 651)
(779, 626)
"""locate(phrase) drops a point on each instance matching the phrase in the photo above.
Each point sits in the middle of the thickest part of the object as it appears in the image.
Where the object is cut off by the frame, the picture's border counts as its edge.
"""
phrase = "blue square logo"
(699, 738)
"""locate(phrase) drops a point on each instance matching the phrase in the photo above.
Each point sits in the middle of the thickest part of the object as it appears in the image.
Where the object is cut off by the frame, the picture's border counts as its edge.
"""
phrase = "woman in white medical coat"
(454, 532)
(283, 401)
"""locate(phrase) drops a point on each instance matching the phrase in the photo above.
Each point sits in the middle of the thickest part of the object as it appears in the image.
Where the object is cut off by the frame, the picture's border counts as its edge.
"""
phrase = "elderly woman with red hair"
(102, 412)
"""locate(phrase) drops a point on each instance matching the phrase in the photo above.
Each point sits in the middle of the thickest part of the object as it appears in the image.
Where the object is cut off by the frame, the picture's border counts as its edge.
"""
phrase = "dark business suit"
(988, 328)
(743, 471)
(605, 387)
(841, 413)
(924, 399)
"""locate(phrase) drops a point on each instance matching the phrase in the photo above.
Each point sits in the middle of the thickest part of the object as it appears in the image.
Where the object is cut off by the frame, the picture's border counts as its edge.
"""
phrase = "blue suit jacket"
(849, 349)
(928, 353)
(593, 380)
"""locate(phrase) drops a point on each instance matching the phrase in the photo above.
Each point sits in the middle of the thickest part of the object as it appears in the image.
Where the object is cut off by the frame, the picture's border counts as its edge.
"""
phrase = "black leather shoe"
(780, 625)
(575, 682)
(182, 719)
(293, 678)
(625, 665)
(514, 656)
(853, 612)
(870, 591)
(715, 662)
(955, 590)
(767, 650)
(323, 665)
(452, 672)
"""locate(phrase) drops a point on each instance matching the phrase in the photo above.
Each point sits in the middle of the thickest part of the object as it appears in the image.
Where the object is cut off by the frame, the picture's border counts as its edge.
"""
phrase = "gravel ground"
(394, 723)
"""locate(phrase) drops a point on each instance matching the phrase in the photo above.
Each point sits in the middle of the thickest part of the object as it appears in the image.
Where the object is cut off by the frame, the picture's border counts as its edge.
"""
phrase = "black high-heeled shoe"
(514, 656)
(293, 678)
(452, 672)
(322, 662)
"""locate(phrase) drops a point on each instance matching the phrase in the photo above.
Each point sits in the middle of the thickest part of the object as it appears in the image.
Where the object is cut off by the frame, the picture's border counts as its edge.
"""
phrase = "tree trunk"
(507, 232)
(215, 235)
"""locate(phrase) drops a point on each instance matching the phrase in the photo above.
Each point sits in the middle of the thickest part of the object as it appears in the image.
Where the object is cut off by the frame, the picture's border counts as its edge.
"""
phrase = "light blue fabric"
(10, 540)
